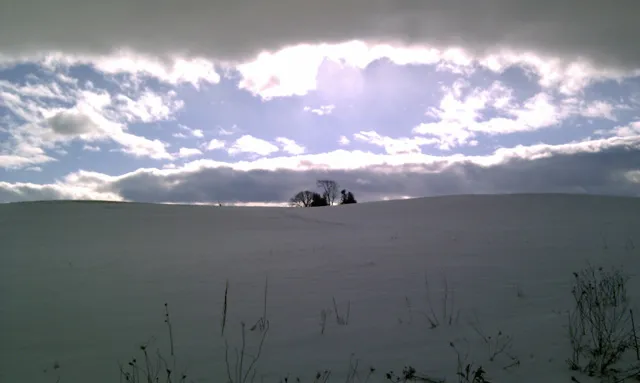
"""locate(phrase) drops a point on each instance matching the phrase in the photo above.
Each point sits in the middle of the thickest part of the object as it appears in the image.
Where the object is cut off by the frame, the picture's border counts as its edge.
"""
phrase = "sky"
(201, 101)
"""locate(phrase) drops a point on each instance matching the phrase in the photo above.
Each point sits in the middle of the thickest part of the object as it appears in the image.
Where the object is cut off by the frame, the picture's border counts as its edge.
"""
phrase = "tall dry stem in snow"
(448, 315)
(600, 327)
(243, 369)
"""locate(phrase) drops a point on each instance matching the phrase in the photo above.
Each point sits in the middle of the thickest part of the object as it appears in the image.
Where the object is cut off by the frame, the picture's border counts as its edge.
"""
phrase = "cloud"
(148, 106)
(459, 114)
(600, 109)
(33, 192)
(48, 116)
(298, 69)
(20, 159)
(52, 91)
(170, 69)
(605, 166)
(127, 89)
(175, 70)
(228, 132)
(462, 114)
(565, 28)
(216, 144)
(290, 146)
(563, 40)
(321, 111)
(28, 103)
(189, 152)
(40, 124)
(90, 148)
(71, 123)
(253, 145)
(633, 176)
(402, 145)
(198, 133)
(630, 130)
(137, 146)
(110, 116)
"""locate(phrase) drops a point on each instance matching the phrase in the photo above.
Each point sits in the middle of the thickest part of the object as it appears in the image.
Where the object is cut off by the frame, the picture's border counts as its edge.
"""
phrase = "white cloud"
(12, 192)
(215, 144)
(630, 130)
(189, 152)
(90, 148)
(633, 176)
(350, 160)
(599, 109)
(250, 144)
(148, 107)
(51, 91)
(294, 70)
(140, 146)
(401, 145)
(543, 111)
(321, 111)
(95, 116)
(290, 146)
(110, 117)
(344, 140)
(24, 103)
(47, 127)
(20, 159)
(459, 117)
(34, 169)
(568, 76)
(192, 132)
(228, 132)
(539, 111)
(174, 70)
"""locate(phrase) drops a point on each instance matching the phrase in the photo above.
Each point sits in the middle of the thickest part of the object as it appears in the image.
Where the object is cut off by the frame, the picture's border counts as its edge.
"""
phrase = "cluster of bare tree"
(330, 190)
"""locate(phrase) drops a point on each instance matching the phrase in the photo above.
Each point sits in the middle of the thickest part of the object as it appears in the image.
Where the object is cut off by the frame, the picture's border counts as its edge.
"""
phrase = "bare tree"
(303, 198)
(330, 190)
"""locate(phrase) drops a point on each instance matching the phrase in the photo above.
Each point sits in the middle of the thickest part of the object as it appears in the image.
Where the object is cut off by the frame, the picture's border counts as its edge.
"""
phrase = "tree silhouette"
(347, 197)
(328, 196)
(319, 200)
(303, 198)
(329, 190)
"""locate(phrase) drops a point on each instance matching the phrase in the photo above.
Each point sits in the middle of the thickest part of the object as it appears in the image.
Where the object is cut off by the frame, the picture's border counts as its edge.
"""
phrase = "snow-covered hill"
(82, 285)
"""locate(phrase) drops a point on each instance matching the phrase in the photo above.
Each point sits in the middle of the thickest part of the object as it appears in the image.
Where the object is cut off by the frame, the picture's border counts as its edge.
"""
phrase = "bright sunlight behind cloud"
(246, 105)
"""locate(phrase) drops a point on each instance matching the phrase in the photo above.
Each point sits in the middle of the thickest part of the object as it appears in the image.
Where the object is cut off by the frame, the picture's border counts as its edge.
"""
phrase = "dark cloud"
(596, 172)
(595, 167)
(30, 192)
(601, 31)
(71, 124)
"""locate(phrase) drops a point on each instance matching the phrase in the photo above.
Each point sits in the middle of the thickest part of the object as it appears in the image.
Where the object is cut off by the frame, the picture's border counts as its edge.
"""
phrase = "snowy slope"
(83, 284)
